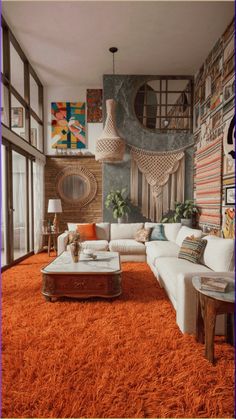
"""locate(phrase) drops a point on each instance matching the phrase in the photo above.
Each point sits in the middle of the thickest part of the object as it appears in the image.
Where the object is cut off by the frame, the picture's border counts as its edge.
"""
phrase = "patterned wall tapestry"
(68, 125)
(94, 105)
(208, 183)
(214, 111)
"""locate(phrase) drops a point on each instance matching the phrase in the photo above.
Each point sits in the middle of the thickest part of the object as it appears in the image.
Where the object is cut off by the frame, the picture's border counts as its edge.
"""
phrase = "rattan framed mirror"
(77, 186)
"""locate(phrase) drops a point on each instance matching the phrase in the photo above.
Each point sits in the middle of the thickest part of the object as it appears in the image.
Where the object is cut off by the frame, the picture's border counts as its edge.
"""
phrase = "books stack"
(213, 284)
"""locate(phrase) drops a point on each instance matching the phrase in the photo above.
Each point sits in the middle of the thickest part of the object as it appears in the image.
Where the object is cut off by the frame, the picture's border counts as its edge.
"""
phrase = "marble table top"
(228, 295)
(106, 262)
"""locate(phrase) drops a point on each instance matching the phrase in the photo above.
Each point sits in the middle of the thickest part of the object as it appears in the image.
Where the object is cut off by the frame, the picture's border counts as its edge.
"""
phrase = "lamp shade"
(54, 205)
(110, 146)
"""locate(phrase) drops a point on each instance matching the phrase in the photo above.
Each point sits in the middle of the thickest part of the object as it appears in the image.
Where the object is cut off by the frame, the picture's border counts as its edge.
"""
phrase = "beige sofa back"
(124, 231)
(171, 229)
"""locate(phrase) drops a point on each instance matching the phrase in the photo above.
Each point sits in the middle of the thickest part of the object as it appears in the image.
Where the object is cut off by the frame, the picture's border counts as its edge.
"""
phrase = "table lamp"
(54, 205)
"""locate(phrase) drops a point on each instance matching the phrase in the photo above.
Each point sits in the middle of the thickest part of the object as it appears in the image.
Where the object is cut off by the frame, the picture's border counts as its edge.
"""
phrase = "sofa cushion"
(170, 229)
(156, 249)
(219, 254)
(127, 247)
(87, 231)
(102, 230)
(192, 249)
(158, 233)
(169, 268)
(124, 231)
(187, 232)
(143, 235)
(97, 245)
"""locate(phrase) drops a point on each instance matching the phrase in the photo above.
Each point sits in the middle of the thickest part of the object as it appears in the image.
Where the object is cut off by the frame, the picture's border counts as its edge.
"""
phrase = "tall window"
(22, 92)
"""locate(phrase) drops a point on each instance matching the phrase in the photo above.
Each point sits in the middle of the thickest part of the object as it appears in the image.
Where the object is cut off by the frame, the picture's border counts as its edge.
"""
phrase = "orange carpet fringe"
(124, 358)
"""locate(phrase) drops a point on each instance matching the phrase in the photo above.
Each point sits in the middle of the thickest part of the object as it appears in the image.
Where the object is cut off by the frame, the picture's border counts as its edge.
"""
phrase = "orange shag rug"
(124, 358)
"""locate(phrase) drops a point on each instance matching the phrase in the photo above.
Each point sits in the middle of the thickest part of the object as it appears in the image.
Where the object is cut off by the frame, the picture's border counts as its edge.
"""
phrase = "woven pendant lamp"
(110, 146)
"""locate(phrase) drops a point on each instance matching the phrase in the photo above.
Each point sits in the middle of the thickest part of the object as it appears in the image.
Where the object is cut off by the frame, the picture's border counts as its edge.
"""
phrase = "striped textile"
(209, 183)
(192, 249)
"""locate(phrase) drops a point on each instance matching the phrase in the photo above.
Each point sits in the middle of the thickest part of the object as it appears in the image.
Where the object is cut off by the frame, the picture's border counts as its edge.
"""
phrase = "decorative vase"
(110, 146)
(75, 251)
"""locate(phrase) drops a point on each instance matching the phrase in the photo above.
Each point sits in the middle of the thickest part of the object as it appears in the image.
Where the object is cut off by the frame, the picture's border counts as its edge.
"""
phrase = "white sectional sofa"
(174, 274)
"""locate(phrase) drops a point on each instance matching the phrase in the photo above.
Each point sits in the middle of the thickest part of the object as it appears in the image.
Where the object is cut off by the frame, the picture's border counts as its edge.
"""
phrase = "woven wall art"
(161, 182)
(209, 182)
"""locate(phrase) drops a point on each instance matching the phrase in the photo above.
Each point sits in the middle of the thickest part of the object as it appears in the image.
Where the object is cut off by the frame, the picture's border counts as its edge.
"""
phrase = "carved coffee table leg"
(210, 320)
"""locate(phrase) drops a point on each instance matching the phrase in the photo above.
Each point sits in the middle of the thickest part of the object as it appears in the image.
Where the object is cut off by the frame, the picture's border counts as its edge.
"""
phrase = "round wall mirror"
(73, 187)
(76, 186)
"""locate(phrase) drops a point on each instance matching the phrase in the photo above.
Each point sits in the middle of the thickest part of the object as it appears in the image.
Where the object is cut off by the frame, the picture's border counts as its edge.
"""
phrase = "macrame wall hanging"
(157, 180)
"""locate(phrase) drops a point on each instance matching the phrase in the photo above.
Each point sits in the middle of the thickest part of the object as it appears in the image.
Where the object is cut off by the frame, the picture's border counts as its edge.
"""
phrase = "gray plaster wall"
(123, 89)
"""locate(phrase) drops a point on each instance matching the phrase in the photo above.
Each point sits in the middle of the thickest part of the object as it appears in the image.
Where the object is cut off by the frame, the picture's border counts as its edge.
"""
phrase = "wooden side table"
(209, 304)
(52, 240)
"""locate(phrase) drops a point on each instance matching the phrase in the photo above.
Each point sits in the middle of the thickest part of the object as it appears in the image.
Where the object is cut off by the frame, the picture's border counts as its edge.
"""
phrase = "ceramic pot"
(75, 251)
(186, 222)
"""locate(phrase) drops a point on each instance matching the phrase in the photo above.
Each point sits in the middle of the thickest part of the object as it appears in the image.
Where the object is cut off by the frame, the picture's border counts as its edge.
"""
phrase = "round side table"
(52, 240)
(209, 304)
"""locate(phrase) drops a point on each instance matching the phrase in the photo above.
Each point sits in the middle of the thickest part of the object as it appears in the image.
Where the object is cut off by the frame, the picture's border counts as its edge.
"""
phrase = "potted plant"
(117, 202)
(183, 212)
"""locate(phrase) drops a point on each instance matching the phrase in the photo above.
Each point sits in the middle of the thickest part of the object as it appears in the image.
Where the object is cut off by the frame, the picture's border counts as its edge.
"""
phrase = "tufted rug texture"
(124, 358)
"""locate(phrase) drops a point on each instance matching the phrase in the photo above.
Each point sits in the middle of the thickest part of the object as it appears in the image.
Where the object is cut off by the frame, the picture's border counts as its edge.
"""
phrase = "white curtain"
(38, 203)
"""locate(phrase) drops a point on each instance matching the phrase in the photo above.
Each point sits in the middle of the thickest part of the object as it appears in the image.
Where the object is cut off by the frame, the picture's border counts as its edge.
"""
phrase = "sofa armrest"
(186, 307)
(62, 241)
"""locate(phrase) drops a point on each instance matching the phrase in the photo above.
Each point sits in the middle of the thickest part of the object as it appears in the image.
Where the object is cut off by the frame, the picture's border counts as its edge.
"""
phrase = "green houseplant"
(117, 202)
(183, 212)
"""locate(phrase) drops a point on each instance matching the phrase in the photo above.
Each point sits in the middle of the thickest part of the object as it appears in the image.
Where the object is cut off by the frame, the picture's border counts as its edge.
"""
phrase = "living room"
(117, 209)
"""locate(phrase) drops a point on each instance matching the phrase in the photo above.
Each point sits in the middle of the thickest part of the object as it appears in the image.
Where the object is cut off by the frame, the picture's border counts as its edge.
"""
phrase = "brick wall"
(72, 213)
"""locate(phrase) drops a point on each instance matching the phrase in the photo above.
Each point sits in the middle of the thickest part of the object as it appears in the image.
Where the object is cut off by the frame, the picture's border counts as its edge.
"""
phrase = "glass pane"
(17, 71)
(34, 96)
(19, 205)
(4, 105)
(3, 209)
(36, 134)
(17, 117)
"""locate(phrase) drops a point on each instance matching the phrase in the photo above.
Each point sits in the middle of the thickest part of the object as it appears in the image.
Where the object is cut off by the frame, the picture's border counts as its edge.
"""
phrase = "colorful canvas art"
(94, 105)
(68, 125)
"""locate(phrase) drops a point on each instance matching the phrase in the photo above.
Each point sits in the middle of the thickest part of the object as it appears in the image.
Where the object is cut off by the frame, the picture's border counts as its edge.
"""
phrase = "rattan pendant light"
(110, 147)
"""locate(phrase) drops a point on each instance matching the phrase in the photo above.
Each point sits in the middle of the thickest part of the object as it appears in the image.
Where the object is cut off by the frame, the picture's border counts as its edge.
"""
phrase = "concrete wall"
(123, 89)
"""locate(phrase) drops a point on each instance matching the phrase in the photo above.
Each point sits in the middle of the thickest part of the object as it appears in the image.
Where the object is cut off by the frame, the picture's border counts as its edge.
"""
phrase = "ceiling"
(67, 42)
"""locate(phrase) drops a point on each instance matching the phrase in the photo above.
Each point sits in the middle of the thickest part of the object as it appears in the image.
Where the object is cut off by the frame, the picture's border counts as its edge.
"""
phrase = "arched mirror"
(165, 104)
(76, 186)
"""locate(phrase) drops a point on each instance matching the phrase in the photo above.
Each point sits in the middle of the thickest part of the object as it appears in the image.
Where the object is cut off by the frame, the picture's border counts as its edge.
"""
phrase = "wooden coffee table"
(85, 279)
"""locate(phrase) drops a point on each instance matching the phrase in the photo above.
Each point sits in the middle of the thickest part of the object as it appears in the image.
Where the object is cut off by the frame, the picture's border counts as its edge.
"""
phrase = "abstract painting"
(94, 105)
(68, 125)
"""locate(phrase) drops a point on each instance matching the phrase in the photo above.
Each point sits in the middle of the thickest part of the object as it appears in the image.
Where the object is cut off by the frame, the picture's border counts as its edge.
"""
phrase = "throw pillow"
(87, 231)
(192, 249)
(142, 235)
(158, 233)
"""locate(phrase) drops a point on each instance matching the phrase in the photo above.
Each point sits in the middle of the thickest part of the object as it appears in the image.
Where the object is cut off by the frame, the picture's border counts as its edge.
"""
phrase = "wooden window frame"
(9, 38)
(163, 107)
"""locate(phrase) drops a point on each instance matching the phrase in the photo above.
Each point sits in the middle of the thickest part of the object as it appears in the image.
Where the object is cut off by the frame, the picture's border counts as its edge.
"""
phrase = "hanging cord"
(113, 50)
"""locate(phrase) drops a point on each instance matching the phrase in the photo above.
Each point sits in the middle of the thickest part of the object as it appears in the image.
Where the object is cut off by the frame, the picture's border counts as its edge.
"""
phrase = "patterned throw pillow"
(192, 249)
(142, 235)
(158, 233)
